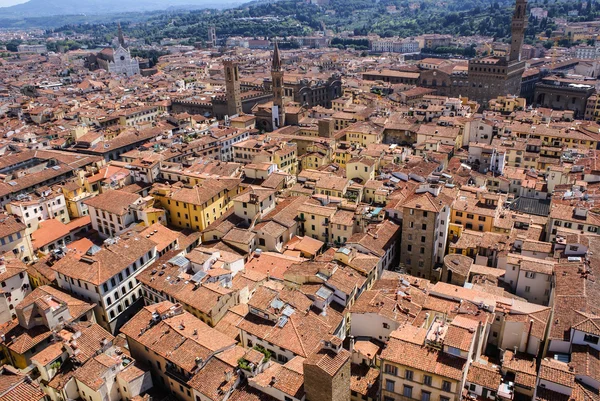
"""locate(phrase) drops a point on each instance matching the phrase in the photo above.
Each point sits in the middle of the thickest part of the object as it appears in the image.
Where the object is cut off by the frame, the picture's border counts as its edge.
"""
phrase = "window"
(424, 226)
(446, 386)
(391, 370)
(261, 241)
(390, 385)
(588, 338)
(472, 387)
(527, 288)
(459, 214)
(407, 392)
(427, 380)
(444, 398)
(386, 326)
(530, 274)
(425, 395)
(422, 238)
(408, 375)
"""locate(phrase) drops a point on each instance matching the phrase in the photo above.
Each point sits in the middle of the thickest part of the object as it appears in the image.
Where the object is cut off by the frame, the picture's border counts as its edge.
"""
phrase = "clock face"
(122, 58)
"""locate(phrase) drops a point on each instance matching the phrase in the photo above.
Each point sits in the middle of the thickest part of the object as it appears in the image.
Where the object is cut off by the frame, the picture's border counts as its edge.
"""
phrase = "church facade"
(118, 60)
(123, 63)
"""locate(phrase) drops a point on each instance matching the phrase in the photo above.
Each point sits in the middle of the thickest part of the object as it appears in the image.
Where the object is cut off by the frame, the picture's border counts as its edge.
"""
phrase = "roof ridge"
(298, 335)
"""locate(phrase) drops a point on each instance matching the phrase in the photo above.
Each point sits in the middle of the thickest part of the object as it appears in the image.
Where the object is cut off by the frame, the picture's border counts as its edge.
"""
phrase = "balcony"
(172, 372)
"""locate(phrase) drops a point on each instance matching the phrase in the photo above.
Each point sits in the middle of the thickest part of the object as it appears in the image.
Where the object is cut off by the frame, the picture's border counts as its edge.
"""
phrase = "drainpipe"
(528, 334)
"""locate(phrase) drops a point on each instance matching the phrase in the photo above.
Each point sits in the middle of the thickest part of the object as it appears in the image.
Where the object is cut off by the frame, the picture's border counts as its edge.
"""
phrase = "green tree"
(11, 46)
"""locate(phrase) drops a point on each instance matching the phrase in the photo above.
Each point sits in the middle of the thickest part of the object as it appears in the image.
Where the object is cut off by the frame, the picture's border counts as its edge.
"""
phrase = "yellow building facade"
(195, 207)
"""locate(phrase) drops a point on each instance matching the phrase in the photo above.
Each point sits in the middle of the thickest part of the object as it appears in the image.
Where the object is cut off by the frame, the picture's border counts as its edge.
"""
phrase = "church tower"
(277, 77)
(212, 36)
(232, 87)
(519, 23)
(120, 37)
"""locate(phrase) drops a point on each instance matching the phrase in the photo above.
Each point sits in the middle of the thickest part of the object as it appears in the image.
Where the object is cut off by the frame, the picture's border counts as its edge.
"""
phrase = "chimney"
(352, 344)
(228, 375)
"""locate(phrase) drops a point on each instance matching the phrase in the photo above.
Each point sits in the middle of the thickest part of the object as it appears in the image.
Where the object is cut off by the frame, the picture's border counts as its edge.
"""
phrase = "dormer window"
(588, 338)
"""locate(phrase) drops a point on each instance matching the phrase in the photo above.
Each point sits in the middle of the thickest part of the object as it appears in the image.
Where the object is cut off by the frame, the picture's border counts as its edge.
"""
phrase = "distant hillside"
(45, 8)
(285, 18)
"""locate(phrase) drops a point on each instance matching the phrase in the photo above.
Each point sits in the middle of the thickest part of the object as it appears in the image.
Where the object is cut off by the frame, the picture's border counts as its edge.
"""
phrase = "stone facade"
(123, 63)
(486, 77)
(321, 385)
(232, 88)
(564, 94)
(278, 91)
(424, 233)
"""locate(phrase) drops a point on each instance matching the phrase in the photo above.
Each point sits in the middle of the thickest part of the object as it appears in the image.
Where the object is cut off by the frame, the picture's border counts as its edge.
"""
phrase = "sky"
(6, 3)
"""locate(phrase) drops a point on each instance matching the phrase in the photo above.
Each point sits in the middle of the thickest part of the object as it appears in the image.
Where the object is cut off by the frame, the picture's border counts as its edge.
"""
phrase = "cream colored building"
(315, 220)
(361, 169)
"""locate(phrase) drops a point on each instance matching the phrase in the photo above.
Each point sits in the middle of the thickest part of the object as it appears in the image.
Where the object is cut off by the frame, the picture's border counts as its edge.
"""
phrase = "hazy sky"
(5, 3)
